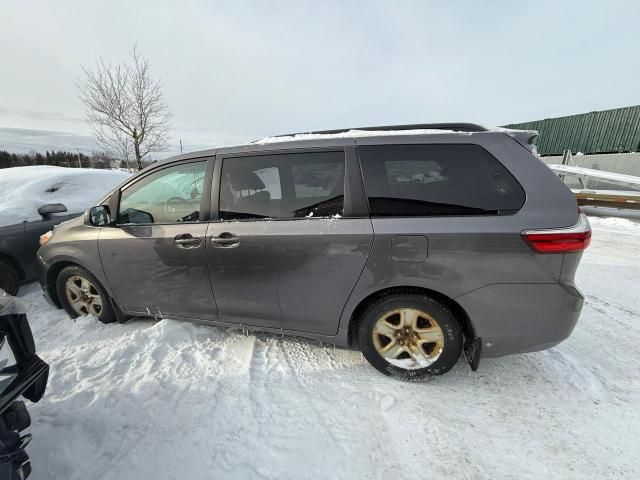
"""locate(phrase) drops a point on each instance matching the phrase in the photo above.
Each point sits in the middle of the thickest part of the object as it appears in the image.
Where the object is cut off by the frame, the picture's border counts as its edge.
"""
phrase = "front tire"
(410, 336)
(9, 278)
(80, 294)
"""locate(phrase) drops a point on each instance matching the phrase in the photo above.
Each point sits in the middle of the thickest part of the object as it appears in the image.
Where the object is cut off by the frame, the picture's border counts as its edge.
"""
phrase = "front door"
(282, 253)
(155, 258)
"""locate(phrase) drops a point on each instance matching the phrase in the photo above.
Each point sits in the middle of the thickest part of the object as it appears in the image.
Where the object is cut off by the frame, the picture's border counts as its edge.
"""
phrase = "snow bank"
(170, 399)
(24, 189)
(624, 226)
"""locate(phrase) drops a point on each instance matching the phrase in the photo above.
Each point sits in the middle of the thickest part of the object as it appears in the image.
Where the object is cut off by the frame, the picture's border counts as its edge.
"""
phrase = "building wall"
(606, 131)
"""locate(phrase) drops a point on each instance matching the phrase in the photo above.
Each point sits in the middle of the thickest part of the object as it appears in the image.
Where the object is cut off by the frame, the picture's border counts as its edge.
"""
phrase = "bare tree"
(125, 108)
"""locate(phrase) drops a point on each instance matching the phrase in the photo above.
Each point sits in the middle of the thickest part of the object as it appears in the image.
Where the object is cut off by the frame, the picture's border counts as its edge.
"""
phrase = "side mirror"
(48, 209)
(98, 216)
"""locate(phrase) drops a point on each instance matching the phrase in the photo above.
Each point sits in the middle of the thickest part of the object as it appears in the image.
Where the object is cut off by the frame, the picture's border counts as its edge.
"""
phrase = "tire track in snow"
(358, 431)
(604, 306)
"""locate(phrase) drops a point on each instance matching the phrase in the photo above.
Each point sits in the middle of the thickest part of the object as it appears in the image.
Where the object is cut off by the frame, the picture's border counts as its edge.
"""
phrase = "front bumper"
(520, 318)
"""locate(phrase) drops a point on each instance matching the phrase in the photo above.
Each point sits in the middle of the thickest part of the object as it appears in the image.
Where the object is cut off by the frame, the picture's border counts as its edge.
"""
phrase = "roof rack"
(456, 127)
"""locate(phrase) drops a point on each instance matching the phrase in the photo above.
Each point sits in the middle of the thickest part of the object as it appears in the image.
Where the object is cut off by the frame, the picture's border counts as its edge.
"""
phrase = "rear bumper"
(519, 318)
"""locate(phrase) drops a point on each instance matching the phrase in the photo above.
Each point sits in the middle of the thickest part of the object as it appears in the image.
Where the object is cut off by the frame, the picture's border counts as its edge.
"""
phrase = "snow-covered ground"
(25, 189)
(173, 400)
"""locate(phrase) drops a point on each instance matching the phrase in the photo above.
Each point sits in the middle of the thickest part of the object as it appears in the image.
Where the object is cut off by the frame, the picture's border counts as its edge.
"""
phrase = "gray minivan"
(411, 243)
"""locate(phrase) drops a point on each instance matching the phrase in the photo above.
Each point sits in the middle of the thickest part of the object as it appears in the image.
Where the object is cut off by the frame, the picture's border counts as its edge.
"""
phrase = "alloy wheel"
(408, 338)
(83, 296)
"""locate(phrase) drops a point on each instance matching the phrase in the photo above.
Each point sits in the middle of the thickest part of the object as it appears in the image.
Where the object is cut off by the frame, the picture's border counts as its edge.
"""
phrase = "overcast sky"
(234, 71)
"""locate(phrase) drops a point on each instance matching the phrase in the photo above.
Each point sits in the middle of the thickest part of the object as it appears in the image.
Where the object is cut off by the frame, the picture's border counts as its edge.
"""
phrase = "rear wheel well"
(13, 263)
(52, 276)
(458, 312)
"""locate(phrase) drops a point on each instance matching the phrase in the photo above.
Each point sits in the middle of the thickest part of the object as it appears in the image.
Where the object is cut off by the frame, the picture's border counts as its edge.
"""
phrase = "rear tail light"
(560, 240)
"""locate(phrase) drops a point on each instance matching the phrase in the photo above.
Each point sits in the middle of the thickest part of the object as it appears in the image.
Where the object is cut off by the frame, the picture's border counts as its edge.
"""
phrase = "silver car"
(412, 244)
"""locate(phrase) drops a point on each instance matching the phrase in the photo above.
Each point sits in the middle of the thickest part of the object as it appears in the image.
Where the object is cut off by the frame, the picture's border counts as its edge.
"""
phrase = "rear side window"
(425, 180)
(288, 185)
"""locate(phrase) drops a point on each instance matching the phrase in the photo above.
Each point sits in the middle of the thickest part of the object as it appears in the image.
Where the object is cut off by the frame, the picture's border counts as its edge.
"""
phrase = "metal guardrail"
(624, 194)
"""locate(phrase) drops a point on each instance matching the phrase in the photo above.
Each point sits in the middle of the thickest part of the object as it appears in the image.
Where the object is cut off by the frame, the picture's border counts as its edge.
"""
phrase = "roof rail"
(456, 127)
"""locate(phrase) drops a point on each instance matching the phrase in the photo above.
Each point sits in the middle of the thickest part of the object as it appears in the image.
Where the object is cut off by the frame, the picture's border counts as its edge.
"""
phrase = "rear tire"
(80, 293)
(410, 336)
(9, 278)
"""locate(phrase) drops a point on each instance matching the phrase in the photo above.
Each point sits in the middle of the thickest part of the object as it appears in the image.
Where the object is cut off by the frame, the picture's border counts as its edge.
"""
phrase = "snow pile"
(25, 189)
(170, 399)
(615, 225)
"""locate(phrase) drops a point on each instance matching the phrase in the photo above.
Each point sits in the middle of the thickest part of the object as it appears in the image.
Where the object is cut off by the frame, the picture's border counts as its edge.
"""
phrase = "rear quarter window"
(425, 180)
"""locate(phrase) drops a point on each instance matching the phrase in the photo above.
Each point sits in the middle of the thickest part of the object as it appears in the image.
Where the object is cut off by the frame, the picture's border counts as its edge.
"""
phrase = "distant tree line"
(61, 158)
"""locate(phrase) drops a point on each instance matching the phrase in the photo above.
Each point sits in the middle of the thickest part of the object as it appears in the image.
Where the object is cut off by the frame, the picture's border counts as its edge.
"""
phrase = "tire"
(417, 338)
(9, 278)
(86, 287)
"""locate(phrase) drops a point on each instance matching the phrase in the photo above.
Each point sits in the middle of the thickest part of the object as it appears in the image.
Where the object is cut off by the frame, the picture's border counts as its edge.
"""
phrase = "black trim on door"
(214, 209)
(355, 198)
(205, 204)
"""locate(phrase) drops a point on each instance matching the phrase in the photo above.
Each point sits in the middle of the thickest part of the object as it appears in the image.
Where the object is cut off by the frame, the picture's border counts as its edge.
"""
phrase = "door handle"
(225, 240)
(186, 240)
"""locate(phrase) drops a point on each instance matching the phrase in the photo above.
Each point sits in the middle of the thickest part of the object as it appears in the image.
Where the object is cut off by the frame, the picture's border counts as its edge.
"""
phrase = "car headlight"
(45, 237)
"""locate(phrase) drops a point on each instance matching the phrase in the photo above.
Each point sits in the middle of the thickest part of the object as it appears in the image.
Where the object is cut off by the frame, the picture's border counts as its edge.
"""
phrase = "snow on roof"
(511, 131)
(25, 189)
(354, 134)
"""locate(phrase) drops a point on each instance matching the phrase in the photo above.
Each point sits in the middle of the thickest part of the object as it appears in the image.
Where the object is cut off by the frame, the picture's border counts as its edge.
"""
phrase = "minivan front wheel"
(80, 294)
(410, 336)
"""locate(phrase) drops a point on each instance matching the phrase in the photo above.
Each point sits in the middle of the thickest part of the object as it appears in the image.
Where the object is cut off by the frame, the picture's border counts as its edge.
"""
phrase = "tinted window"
(317, 179)
(171, 195)
(288, 185)
(405, 180)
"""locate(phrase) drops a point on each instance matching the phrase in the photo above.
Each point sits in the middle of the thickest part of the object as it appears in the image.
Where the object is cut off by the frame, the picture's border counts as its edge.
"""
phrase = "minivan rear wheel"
(80, 294)
(410, 336)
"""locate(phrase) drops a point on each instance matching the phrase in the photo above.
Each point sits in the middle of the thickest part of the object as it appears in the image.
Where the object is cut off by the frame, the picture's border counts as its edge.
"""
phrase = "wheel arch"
(54, 270)
(460, 314)
(52, 276)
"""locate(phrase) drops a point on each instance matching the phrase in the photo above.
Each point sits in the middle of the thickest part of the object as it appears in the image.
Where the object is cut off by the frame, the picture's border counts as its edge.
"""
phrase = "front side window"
(437, 179)
(291, 185)
(170, 195)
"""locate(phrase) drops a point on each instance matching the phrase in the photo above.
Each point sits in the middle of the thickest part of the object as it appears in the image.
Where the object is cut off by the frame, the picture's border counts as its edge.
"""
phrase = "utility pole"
(180, 145)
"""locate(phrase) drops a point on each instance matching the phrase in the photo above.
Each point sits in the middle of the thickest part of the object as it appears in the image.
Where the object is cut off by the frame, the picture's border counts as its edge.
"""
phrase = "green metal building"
(607, 131)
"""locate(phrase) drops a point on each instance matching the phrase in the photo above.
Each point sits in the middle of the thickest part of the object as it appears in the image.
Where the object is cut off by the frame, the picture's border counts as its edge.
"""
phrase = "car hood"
(67, 224)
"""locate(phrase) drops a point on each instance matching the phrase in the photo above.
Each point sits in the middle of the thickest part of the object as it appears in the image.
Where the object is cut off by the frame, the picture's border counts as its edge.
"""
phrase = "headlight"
(45, 237)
